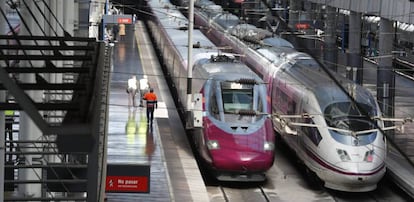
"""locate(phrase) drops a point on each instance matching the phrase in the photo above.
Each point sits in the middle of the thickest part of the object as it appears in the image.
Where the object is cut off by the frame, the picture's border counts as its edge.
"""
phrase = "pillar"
(83, 18)
(385, 75)
(330, 48)
(2, 120)
(68, 16)
(2, 144)
(3, 24)
(294, 11)
(27, 128)
(55, 18)
(354, 47)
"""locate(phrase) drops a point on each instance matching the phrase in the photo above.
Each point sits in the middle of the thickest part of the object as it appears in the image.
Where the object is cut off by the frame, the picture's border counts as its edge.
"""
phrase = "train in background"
(332, 124)
(236, 138)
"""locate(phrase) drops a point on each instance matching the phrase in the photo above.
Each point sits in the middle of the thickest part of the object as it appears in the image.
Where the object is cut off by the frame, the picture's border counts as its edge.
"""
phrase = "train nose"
(247, 156)
(253, 160)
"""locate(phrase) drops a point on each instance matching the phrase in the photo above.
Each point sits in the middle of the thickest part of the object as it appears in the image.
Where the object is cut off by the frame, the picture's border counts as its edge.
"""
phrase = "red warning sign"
(302, 26)
(124, 20)
(127, 184)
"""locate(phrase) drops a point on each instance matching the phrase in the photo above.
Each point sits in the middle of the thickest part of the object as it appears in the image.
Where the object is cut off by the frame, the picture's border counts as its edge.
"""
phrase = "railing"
(73, 115)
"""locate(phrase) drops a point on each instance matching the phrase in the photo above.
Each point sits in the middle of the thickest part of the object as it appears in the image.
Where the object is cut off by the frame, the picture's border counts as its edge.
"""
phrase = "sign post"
(128, 178)
(117, 19)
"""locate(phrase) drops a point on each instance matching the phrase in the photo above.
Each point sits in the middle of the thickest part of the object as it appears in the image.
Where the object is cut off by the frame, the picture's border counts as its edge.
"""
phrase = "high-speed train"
(331, 123)
(236, 140)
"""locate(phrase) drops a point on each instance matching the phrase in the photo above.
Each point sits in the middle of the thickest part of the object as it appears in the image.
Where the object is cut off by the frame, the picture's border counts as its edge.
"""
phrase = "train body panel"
(329, 125)
(236, 139)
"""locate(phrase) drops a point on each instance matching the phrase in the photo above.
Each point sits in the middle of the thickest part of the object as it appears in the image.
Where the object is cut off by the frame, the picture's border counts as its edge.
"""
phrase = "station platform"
(162, 146)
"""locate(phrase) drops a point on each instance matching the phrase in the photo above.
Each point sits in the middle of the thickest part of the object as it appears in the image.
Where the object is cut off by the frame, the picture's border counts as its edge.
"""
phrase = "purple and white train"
(236, 140)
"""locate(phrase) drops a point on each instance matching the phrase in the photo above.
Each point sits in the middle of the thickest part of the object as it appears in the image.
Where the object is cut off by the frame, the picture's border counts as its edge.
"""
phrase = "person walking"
(144, 86)
(132, 90)
(152, 104)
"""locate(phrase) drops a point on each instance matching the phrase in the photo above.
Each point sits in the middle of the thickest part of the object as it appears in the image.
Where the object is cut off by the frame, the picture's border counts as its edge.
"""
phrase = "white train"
(331, 128)
(333, 125)
(236, 138)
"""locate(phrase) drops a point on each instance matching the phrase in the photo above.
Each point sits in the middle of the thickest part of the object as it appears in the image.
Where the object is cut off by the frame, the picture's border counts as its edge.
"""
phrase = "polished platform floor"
(174, 175)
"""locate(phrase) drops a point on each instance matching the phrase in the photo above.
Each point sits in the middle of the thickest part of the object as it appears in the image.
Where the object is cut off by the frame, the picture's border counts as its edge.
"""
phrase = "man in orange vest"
(151, 99)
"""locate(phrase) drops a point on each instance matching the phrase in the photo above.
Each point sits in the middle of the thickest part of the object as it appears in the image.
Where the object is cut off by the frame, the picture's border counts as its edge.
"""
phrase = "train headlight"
(213, 144)
(343, 155)
(268, 146)
(369, 156)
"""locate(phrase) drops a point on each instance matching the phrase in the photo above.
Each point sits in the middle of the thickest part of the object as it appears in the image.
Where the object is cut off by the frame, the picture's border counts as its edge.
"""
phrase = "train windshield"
(238, 97)
(346, 117)
(235, 100)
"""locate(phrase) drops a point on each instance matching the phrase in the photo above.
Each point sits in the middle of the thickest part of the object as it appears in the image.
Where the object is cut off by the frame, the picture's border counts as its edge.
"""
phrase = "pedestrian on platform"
(144, 87)
(9, 120)
(121, 31)
(152, 104)
(132, 90)
(115, 32)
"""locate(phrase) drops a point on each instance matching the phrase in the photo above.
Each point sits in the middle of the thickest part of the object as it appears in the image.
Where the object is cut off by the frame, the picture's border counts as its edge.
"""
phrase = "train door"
(283, 105)
(300, 111)
(292, 110)
(275, 106)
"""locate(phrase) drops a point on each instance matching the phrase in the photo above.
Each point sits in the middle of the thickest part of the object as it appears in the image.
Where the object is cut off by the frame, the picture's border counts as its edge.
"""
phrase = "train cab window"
(307, 62)
(347, 117)
(235, 100)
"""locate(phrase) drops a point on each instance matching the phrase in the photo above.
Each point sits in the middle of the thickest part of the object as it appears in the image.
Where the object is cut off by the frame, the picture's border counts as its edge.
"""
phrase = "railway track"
(386, 191)
(242, 193)
(286, 181)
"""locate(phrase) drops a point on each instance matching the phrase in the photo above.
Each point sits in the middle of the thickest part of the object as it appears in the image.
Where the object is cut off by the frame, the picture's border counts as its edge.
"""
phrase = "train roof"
(175, 25)
(225, 71)
(209, 7)
(227, 20)
(276, 54)
(249, 30)
(277, 42)
(307, 73)
(216, 12)
(327, 94)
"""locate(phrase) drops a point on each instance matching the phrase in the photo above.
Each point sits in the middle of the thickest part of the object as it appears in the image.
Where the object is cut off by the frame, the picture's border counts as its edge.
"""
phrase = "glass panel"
(345, 115)
(235, 100)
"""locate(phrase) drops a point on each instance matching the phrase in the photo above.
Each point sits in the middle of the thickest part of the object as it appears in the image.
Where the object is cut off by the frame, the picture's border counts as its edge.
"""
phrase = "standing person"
(132, 90)
(115, 31)
(152, 104)
(9, 120)
(121, 31)
(144, 86)
(134, 20)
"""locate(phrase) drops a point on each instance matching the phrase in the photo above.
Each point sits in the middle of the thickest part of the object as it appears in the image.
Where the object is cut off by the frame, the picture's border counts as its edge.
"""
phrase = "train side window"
(213, 106)
(312, 132)
(275, 98)
(291, 107)
(260, 104)
(260, 99)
